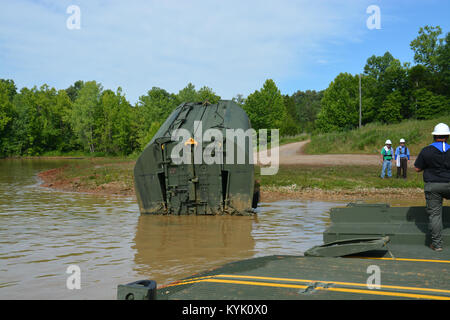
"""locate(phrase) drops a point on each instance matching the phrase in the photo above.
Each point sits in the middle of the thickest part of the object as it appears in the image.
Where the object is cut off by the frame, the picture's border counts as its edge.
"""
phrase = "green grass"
(371, 138)
(89, 174)
(337, 178)
(87, 154)
(285, 140)
(292, 139)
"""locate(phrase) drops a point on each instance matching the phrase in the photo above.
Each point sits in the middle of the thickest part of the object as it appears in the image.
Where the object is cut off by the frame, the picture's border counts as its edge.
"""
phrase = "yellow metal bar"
(334, 282)
(346, 290)
(185, 281)
(256, 283)
(296, 286)
(386, 293)
(404, 259)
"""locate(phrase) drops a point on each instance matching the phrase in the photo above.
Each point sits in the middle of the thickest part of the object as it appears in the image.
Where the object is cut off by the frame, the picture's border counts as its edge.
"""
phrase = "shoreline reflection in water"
(43, 231)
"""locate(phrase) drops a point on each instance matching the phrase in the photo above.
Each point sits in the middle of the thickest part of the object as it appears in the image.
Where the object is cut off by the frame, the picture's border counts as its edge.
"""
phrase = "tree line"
(85, 117)
(392, 91)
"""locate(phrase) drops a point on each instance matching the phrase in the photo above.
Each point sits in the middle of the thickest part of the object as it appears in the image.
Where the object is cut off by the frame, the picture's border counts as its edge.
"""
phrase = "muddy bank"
(58, 179)
(270, 194)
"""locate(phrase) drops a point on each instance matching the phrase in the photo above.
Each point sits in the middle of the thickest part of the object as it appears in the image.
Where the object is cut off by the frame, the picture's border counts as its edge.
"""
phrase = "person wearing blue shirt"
(402, 158)
(434, 161)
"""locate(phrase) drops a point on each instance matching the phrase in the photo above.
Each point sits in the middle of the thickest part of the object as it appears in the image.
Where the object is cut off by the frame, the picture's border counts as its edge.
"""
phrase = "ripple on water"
(42, 232)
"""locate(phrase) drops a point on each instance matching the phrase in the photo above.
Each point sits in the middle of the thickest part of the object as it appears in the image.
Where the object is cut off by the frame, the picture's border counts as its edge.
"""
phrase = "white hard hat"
(402, 140)
(388, 142)
(441, 129)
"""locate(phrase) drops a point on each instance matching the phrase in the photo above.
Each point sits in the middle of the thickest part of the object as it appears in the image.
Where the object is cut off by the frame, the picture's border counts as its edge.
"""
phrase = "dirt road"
(292, 154)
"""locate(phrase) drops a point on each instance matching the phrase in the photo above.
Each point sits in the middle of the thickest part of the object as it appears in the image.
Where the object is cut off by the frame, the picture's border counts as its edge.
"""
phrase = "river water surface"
(43, 232)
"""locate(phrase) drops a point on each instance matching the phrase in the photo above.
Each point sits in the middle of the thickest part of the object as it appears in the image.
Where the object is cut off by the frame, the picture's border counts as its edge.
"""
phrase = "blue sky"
(231, 46)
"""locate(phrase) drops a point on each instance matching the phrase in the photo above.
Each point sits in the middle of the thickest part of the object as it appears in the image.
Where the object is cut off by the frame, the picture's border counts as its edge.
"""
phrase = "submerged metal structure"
(166, 185)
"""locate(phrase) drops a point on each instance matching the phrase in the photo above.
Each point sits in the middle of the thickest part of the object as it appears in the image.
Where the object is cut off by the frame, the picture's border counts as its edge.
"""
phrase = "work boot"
(437, 249)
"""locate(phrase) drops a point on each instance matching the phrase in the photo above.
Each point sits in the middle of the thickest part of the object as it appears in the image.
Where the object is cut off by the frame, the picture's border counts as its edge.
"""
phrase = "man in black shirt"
(434, 161)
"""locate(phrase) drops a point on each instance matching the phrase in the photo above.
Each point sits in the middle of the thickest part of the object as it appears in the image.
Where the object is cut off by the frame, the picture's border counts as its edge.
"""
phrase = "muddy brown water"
(43, 232)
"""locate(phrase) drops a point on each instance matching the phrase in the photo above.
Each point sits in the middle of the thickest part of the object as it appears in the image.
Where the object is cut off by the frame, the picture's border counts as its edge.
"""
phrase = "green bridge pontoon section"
(404, 264)
(168, 183)
(405, 226)
(298, 277)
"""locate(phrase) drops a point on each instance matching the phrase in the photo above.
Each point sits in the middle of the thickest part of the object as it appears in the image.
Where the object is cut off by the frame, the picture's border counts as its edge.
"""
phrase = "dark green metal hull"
(405, 226)
(164, 186)
(291, 277)
(407, 268)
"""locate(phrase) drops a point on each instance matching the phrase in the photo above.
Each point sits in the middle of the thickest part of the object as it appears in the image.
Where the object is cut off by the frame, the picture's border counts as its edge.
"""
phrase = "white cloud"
(231, 46)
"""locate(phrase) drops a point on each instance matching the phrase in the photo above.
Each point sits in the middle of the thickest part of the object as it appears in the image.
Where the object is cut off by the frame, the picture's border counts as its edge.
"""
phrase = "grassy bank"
(370, 138)
(115, 176)
(337, 178)
(292, 139)
(96, 175)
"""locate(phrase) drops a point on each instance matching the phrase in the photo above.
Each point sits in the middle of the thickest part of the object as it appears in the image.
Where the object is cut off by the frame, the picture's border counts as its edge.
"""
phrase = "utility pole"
(360, 100)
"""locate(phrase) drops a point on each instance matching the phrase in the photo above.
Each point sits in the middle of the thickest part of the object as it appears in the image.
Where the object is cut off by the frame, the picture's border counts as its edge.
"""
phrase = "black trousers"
(401, 171)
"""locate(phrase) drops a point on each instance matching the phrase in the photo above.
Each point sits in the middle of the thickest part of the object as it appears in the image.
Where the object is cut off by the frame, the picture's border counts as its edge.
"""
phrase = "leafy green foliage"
(371, 137)
(85, 114)
(290, 126)
(6, 106)
(207, 94)
(7, 113)
(307, 107)
(340, 104)
(392, 91)
(152, 110)
(443, 64)
(86, 118)
(113, 130)
(74, 89)
(265, 107)
(391, 109)
(377, 66)
(426, 46)
(428, 104)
